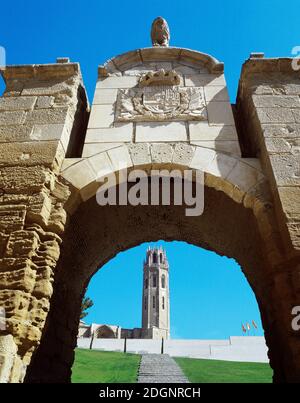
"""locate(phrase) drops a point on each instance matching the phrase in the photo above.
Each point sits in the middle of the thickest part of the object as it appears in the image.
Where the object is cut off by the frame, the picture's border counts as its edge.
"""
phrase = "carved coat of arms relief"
(159, 97)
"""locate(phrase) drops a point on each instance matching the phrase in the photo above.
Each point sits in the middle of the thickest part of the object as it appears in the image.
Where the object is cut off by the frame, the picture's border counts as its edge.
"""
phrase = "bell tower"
(156, 298)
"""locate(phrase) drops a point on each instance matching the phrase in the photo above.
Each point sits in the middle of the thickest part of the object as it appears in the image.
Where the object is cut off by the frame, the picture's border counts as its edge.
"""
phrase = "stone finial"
(160, 33)
(257, 55)
(63, 60)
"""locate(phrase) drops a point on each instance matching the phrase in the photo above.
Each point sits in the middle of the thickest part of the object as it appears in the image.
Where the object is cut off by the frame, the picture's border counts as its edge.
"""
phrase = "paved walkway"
(160, 368)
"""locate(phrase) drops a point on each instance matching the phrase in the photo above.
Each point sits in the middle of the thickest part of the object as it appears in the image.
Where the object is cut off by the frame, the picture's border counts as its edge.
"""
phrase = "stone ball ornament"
(160, 32)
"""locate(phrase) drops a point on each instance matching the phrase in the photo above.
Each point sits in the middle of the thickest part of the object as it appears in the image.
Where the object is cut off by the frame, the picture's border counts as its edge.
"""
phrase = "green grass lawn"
(102, 366)
(112, 367)
(206, 371)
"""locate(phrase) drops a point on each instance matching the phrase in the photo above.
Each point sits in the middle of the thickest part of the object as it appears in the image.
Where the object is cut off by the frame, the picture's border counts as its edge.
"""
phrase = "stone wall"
(244, 349)
(268, 107)
(36, 122)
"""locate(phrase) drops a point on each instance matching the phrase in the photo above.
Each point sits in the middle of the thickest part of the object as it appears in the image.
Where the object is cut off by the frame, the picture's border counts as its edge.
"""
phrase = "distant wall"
(245, 348)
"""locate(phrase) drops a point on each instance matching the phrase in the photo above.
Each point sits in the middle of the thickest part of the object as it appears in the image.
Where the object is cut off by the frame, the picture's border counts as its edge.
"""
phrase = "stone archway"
(94, 233)
(104, 332)
(51, 226)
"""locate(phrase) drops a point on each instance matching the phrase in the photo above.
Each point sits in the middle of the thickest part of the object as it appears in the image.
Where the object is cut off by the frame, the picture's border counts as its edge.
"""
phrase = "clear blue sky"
(210, 296)
(91, 32)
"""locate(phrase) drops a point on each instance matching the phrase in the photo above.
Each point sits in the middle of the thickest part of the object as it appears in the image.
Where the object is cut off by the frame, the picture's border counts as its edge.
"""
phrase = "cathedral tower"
(156, 297)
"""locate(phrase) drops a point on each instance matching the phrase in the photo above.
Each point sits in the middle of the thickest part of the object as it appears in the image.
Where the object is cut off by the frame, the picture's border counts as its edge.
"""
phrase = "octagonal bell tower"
(156, 297)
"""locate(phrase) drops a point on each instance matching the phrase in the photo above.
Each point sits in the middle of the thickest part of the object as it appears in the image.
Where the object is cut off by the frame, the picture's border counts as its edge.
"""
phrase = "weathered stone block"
(158, 131)
(201, 131)
(47, 116)
(120, 158)
(45, 102)
(80, 174)
(17, 103)
(276, 101)
(226, 146)
(162, 153)
(244, 176)
(16, 132)
(296, 114)
(202, 80)
(91, 149)
(183, 154)
(22, 243)
(187, 70)
(12, 118)
(221, 165)
(202, 158)
(275, 115)
(122, 133)
(290, 197)
(281, 130)
(23, 280)
(216, 93)
(47, 153)
(101, 164)
(47, 132)
(286, 169)
(12, 218)
(105, 96)
(41, 88)
(118, 82)
(21, 180)
(140, 154)
(220, 113)
(101, 116)
(278, 145)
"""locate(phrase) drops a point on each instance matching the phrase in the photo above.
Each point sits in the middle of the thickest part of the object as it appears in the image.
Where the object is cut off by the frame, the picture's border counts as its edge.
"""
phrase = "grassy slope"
(102, 366)
(205, 371)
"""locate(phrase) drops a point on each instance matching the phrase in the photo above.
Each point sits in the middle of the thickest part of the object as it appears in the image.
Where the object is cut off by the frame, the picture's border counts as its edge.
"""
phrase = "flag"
(254, 324)
(243, 328)
(248, 326)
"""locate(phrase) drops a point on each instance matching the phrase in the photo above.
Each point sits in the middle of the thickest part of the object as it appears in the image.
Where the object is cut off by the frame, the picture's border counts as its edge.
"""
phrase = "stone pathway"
(160, 368)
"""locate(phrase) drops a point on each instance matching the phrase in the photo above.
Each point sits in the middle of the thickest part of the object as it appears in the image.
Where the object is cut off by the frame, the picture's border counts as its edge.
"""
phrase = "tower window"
(154, 280)
(146, 283)
(154, 257)
(163, 302)
(163, 281)
(161, 258)
(145, 303)
(153, 302)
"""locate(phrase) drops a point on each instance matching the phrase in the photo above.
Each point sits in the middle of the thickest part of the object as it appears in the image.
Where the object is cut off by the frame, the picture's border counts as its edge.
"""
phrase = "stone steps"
(160, 368)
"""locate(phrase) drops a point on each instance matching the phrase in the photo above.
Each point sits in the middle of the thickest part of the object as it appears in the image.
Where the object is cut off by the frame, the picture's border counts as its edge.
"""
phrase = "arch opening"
(95, 235)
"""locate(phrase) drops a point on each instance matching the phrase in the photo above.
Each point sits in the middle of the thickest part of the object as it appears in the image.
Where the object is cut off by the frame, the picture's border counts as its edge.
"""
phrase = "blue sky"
(210, 296)
(90, 32)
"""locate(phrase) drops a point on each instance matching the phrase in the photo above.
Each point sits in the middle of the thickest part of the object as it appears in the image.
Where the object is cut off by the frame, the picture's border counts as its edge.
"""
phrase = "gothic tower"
(156, 297)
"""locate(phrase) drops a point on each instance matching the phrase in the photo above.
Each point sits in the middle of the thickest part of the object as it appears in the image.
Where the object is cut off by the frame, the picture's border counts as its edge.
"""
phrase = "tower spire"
(156, 300)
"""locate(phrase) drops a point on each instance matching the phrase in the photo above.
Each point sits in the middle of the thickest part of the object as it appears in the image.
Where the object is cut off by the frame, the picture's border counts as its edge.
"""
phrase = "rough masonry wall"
(269, 108)
(269, 105)
(36, 122)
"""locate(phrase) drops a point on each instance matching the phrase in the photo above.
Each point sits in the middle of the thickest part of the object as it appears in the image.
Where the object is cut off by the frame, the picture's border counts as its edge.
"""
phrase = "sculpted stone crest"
(159, 98)
(160, 33)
